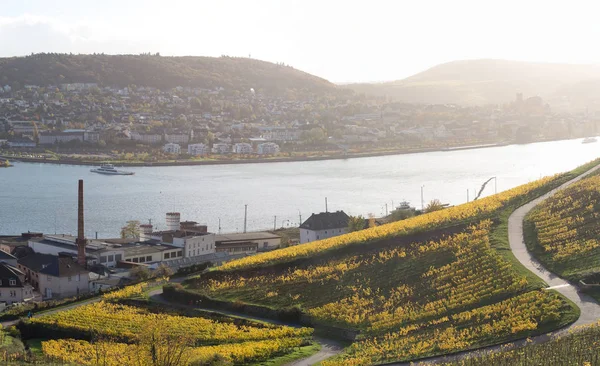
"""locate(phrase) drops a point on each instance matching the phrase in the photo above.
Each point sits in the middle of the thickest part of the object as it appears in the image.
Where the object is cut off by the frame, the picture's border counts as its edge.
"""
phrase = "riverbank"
(250, 160)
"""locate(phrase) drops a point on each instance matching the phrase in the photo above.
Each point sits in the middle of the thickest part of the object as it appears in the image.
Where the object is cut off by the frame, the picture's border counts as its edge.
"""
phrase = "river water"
(43, 197)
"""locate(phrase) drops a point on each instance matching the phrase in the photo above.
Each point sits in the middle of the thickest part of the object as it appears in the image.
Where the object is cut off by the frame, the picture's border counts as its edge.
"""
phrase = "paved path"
(328, 349)
(590, 309)
(8, 323)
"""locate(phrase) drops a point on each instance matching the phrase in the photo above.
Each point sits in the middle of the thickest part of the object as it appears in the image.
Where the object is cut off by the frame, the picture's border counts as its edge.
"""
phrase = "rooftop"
(260, 235)
(326, 220)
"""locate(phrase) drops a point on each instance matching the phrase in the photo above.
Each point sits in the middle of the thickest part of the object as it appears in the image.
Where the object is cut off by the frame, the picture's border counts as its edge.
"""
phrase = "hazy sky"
(339, 40)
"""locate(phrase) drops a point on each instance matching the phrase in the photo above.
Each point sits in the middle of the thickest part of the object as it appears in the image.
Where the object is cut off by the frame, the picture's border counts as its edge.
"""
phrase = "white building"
(267, 148)
(324, 225)
(242, 148)
(198, 149)
(221, 148)
(193, 238)
(55, 276)
(13, 288)
(172, 148)
(52, 138)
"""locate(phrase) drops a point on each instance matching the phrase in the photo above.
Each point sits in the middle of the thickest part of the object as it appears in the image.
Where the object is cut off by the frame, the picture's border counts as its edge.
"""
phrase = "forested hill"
(158, 71)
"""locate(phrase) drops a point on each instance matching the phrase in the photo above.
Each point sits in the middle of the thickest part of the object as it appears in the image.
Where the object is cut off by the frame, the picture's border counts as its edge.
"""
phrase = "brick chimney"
(81, 240)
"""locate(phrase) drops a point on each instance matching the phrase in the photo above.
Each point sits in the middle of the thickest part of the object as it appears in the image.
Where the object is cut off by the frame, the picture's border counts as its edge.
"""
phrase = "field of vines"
(579, 348)
(410, 301)
(120, 332)
(564, 230)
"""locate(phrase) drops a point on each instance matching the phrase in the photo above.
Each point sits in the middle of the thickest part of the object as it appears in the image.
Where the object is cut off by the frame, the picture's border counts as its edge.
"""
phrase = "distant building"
(55, 276)
(221, 148)
(242, 148)
(177, 138)
(267, 148)
(198, 149)
(247, 243)
(21, 142)
(51, 138)
(147, 138)
(13, 288)
(324, 225)
(172, 148)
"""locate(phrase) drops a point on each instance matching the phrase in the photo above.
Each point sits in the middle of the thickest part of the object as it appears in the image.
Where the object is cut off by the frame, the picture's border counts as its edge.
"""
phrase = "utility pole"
(275, 223)
(299, 218)
(245, 216)
(219, 225)
(422, 200)
(326, 205)
(386, 210)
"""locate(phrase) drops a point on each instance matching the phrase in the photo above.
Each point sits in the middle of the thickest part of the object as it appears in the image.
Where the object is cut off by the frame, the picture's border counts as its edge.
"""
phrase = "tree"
(165, 348)
(131, 230)
(163, 271)
(402, 213)
(356, 223)
(434, 205)
(140, 273)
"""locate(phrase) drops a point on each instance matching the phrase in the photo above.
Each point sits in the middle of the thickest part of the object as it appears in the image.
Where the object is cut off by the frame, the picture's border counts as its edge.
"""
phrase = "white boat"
(588, 140)
(109, 169)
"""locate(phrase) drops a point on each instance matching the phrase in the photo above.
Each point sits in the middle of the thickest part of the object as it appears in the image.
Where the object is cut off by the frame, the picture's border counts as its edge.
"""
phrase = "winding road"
(590, 309)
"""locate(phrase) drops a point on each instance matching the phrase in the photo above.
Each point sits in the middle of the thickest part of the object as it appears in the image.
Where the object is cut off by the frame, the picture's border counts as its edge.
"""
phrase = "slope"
(478, 82)
(160, 72)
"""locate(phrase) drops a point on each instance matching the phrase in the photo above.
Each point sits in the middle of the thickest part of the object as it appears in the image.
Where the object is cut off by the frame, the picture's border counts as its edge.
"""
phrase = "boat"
(588, 140)
(109, 169)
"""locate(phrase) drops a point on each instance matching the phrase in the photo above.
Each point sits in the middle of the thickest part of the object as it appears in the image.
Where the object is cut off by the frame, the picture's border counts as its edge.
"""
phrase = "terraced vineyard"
(433, 284)
(564, 231)
(116, 334)
(418, 299)
(581, 348)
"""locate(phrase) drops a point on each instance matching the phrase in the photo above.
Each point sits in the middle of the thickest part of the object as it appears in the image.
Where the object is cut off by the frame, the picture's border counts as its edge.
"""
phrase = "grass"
(35, 346)
(298, 354)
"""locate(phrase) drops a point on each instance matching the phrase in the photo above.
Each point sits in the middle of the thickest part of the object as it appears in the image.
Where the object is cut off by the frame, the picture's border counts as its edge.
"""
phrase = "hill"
(479, 82)
(160, 72)
(432, 284)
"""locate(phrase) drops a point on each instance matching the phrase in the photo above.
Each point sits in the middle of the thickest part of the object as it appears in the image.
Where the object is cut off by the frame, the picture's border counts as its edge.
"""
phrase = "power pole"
(326, 205)
(245, 216)
(386, 210)
(219, 225)
(275, 223)
(299, 218)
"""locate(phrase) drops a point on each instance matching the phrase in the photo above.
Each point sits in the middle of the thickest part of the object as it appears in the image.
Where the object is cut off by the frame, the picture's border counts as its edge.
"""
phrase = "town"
(135, 124)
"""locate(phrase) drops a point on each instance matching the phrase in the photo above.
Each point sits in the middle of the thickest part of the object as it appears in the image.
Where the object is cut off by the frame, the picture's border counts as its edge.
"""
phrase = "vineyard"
(564, 230)
(432, 284)
(111, 333)
(576, 349)
(420, 299)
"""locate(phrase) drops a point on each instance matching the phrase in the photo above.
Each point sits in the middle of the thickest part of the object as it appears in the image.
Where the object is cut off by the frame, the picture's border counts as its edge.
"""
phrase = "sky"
(342, 41)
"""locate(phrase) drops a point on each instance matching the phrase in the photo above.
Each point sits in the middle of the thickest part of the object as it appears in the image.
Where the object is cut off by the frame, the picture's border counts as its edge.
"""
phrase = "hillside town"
(147, 124)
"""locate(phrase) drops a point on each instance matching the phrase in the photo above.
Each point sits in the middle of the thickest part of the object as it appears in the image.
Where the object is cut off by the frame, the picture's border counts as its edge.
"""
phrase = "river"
(43, 197)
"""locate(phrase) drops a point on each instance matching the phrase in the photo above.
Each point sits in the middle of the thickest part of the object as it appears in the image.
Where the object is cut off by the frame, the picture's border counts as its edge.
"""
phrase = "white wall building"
(242, 148)
(172, 148)
(198, 149)
(324, 225)
(267, 148)
(221, 148)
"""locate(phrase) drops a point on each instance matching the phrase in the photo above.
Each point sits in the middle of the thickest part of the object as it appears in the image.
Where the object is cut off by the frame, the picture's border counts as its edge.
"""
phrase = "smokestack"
(80, 241)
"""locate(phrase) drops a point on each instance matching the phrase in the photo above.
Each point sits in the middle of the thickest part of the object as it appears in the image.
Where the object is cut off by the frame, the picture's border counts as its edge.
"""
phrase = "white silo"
(173, 221)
